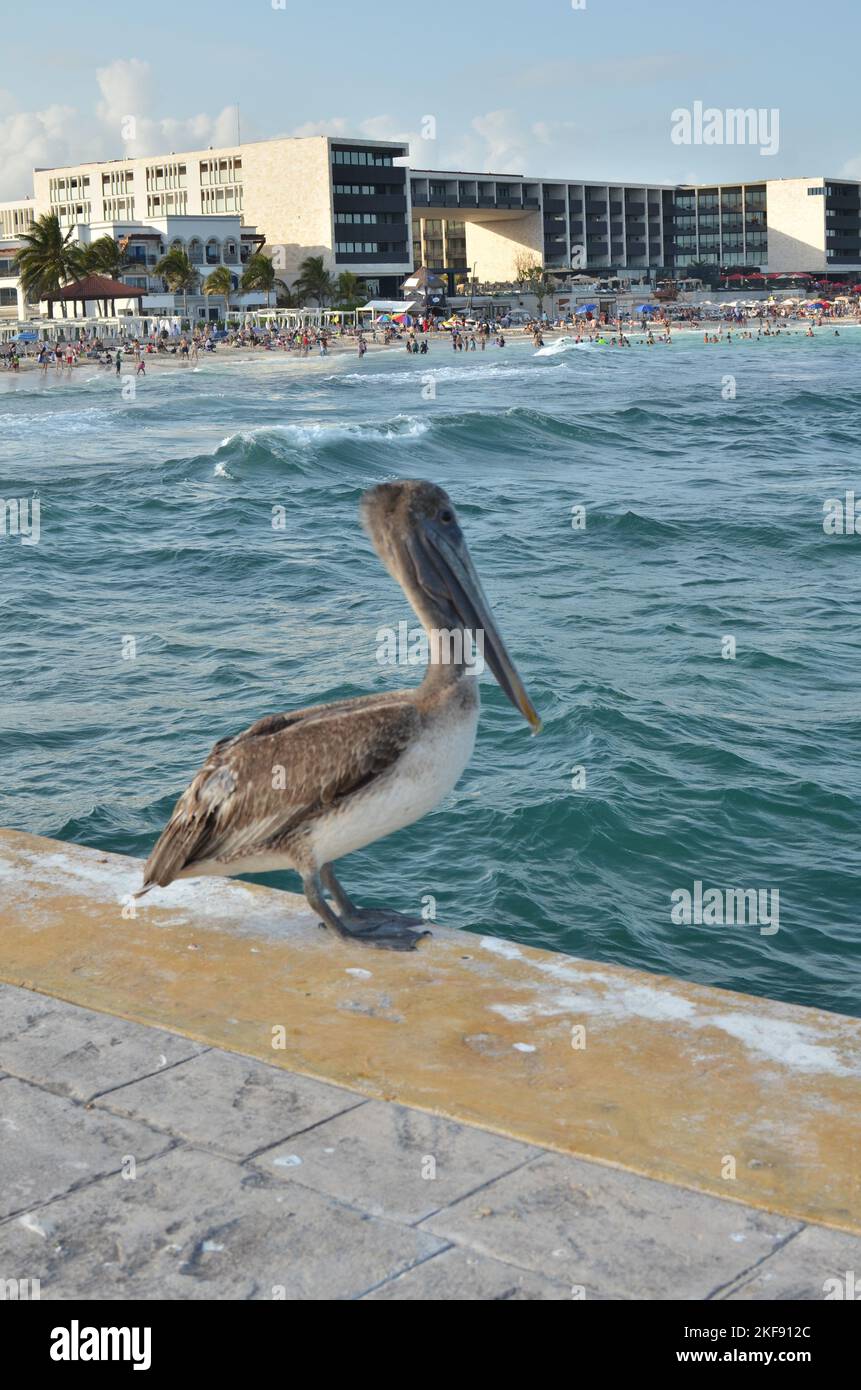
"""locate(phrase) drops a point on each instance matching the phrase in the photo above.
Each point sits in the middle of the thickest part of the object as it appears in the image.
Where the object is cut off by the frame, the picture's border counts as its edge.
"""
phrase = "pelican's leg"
(374, 926)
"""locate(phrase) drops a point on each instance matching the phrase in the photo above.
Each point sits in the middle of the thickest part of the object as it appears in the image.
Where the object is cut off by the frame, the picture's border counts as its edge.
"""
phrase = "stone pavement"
(135, 1163)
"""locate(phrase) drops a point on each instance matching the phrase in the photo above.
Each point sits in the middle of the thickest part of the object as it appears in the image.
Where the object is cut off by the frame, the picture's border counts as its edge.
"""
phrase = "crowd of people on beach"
(466, 333)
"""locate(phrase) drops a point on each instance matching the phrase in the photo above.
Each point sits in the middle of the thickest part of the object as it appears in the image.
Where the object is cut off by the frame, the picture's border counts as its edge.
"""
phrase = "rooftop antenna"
(238, 133)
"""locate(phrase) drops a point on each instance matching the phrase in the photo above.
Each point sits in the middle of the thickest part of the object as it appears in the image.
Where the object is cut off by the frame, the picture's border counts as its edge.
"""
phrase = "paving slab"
(78, 1052)
(462, 1276)
(231, 1104)
(49, 1145)
(193, 1225)
(658, 1076)
(609, 1232)
(389, 1158)
(816, 1264)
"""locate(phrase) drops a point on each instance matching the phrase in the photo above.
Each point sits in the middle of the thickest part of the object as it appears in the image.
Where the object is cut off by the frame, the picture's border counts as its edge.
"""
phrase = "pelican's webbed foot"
(380, 926)
(373, 926)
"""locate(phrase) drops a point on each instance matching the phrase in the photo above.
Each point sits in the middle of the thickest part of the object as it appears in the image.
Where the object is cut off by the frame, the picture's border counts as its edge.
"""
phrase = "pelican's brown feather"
(256, 789)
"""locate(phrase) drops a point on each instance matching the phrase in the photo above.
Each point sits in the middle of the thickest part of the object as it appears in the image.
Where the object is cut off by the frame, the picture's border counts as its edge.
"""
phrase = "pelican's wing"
(255, 788)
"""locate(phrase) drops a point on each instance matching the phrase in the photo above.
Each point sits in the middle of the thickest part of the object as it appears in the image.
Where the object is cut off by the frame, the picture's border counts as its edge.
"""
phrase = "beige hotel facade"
(358, 205)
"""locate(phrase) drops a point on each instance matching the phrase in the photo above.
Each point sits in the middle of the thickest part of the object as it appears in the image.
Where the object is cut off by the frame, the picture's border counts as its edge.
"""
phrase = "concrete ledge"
(715, 1091)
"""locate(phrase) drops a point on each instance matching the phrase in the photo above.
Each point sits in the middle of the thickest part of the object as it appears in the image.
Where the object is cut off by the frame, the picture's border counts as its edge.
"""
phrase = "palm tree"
(219, 282)
(180, 274)
(541, 284)
(259, 276)
(106, 257)
(706, 271)
(49, 259)
(349, 289)
(314, 280)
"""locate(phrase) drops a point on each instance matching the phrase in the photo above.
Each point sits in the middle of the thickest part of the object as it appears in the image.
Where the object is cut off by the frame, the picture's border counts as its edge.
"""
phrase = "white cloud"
(500, 142)
(372, 127)
(58, 135)
(496, 141)
(31, 139)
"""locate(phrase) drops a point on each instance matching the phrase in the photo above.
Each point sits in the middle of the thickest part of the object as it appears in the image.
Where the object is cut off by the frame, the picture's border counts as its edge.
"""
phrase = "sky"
(585, 89)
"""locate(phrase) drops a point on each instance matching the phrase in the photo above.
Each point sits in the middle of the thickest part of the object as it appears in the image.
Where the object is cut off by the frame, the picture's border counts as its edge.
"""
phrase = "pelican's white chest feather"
(422, 777)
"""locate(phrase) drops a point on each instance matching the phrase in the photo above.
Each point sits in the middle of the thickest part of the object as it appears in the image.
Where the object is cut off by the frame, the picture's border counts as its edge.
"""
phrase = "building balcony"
(369, 173)
(635, 209)
(370, 231)
(553, 204)
(399, 258)
(372, 202)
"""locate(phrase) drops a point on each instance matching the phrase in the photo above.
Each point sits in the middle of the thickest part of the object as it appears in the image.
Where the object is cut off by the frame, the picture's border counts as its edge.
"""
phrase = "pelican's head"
(415, 531)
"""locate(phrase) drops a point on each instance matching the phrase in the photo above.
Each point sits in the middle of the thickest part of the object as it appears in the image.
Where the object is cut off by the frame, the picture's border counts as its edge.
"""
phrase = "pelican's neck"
(450, 655)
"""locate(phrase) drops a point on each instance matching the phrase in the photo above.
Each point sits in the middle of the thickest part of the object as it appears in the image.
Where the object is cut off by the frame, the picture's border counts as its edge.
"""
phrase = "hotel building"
(356, 204)
(343, 200)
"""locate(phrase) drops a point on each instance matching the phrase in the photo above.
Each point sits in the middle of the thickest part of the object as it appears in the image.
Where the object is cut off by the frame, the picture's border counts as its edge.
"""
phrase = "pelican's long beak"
(446, 573)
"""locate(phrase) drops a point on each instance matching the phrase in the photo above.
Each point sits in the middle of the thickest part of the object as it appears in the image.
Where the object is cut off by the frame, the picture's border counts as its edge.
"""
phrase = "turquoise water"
(703, 519)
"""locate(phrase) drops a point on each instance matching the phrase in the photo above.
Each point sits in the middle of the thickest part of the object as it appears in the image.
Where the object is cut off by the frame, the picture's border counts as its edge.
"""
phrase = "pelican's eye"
(446, 516)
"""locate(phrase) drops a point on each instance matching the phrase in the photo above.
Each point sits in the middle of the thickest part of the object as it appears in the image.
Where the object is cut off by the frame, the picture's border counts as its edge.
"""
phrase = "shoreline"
(339, 351)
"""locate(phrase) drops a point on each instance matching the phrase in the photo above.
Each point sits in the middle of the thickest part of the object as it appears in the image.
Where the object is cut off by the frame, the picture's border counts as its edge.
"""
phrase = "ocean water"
(703, 522)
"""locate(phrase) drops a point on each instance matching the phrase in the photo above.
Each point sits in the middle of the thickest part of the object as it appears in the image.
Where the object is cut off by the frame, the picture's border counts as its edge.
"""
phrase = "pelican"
(299, 790)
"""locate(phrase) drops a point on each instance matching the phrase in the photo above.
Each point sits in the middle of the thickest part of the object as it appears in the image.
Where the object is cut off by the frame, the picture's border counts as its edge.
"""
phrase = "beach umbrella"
(646, 309)
(404, 319)
(586, 309)
(384, 318)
